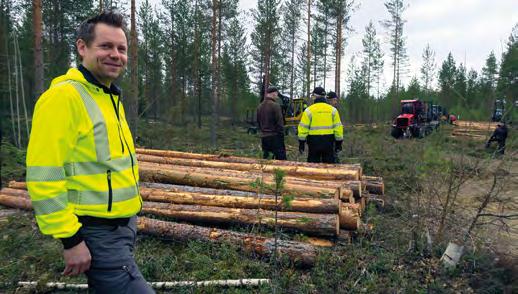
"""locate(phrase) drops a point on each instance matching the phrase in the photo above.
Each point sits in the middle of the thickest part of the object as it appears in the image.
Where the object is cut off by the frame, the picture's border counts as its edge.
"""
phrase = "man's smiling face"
(106, 56)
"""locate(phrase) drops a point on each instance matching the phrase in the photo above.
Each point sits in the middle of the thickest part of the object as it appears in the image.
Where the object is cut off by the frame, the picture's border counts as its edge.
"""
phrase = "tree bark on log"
(17, 185)
(300, 253)
(310, 223)
(15, 201)
(324, 173)
(263, 202)
(374, 185)
(237, 159)
(15, 192)
(172, 176)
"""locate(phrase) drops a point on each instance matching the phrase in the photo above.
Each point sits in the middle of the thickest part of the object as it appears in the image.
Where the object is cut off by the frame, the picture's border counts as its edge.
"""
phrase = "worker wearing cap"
(332, 99)
(499, 136)
(271, 123)
(321, 128)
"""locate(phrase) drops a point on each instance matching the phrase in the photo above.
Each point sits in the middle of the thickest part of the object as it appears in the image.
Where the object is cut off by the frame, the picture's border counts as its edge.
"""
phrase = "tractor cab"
(414, 120)
(293, 113)
(498, 110)
(411, 111)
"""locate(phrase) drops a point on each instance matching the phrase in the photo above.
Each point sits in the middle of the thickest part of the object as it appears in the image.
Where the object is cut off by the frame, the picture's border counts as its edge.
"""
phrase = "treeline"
(196, 59)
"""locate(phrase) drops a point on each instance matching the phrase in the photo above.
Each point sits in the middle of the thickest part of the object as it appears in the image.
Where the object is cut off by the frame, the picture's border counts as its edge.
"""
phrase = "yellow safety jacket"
(81, 158)
(320, 119)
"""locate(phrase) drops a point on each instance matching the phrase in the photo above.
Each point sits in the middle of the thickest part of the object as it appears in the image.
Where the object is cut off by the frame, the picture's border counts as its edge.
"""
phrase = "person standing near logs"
(82, 173)
(499, 136)
(321, 128)
(271, 123)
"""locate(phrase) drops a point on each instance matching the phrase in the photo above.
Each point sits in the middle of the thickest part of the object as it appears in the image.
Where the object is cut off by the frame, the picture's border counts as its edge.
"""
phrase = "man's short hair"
(86, 30)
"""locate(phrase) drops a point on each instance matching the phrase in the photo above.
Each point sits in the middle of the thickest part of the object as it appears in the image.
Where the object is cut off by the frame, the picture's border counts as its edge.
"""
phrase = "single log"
(15, 192)
(15, 201)
(300, 253)
(374, 185)
(237, 159)
(263, 202)
(343, 173)
(310, 223)
(171, 176)
(17, 185)
(349, 217)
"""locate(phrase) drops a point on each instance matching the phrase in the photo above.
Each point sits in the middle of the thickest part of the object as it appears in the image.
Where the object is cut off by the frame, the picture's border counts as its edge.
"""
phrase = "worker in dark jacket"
(321, 128)
(499, 135)
(271, 123)
(332, 99)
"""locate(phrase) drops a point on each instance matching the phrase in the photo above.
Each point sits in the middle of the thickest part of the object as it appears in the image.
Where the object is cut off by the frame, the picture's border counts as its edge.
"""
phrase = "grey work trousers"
(113, 269)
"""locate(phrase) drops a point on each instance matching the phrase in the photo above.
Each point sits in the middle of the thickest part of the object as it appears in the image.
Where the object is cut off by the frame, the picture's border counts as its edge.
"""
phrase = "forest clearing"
(390, 253)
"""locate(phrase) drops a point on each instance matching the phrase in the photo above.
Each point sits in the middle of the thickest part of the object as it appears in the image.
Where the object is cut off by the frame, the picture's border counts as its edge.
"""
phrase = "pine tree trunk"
(338, 52)
(132, 102)
(213, 125)
(38, 51)
(308, 66)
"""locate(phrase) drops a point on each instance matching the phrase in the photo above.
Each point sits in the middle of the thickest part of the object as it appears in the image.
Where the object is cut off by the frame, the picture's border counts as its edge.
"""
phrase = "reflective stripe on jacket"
(81, 158)
(320, 119)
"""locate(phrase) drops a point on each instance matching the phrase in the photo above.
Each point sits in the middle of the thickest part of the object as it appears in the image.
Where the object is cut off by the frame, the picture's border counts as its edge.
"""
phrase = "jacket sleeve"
(279, 119)
(304, 124)
(338, 129)
(53, 137)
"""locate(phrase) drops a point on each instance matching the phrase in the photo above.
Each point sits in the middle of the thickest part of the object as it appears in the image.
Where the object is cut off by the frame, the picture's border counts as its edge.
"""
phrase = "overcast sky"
(469, 29)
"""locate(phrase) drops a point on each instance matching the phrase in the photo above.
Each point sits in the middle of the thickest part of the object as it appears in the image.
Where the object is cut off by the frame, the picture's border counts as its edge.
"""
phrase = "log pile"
(205, 191)
(480, 131)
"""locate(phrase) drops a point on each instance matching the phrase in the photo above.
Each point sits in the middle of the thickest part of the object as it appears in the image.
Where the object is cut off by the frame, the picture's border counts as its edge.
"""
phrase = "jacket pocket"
(110, 191)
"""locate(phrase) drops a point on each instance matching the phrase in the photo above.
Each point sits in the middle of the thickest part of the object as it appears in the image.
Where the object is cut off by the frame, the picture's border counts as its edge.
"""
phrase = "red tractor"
(416, 120)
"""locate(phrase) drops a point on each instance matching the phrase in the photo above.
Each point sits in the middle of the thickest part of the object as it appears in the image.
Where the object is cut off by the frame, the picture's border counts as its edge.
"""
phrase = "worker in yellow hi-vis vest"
(321, 128)
(82, 173)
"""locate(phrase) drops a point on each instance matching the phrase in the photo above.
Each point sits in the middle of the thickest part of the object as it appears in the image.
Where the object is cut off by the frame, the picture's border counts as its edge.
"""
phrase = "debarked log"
(264, 202)
(153, 173)
(300, 253)
(349, 217)
(309, 223)
(323, 173)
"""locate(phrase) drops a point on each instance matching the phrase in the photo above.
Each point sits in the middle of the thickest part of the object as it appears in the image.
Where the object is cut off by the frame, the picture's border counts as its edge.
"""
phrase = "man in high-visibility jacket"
(82, 173)
(321, 128)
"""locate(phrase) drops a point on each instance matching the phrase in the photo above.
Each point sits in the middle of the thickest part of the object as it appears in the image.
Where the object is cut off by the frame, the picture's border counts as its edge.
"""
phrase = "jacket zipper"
(110, 191)
(116, 109)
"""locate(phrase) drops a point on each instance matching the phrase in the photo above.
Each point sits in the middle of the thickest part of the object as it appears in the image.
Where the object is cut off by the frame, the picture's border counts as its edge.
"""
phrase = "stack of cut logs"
(322, 200)
(475, 130)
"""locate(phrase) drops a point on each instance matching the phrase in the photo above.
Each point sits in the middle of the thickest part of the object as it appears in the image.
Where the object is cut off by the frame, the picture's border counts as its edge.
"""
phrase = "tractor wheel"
(396, 133)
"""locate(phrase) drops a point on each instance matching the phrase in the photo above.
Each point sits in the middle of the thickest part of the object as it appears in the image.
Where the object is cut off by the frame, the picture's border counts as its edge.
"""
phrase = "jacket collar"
(319, 100)
(92, 80)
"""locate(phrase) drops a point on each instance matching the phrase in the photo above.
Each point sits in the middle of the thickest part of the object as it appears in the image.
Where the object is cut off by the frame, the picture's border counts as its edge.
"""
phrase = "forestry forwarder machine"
(417, 119)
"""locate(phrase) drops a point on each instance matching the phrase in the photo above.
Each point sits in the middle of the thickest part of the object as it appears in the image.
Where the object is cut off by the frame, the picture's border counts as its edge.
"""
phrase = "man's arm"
(53, 136)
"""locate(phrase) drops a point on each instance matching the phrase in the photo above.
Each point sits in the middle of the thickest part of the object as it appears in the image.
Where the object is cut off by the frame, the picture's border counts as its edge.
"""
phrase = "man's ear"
(81, 47)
